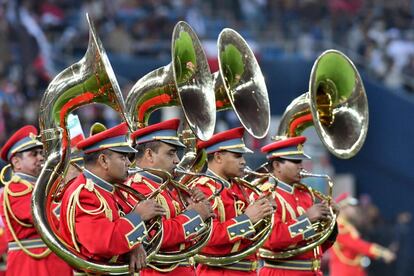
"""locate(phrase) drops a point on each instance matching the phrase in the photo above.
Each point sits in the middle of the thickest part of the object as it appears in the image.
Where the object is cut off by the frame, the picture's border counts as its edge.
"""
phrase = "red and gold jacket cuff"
(303, 227)
(139, 231)
(194, 225)
(242, 227)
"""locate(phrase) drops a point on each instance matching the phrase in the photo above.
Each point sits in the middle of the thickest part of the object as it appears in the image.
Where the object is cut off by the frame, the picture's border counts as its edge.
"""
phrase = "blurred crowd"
(38, 38)
(41, 37)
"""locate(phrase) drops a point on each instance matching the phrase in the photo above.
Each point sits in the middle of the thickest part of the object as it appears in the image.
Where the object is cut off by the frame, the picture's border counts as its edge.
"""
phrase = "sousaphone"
(185, 82)
(337, 106)
(240, 85)
(91, 80)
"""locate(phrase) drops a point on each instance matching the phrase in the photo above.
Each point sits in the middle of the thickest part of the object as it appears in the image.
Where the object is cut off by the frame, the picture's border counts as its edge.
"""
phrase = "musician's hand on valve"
(335, 207)
(319, 211)
(149, 209)
(203, 208)
(197, 195)
(137, 259)
(260, 209)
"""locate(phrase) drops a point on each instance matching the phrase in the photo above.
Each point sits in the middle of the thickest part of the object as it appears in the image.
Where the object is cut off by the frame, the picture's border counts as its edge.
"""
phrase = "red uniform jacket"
(178, 226)
(17, 216)
(290, 229)
(3, 251)
(348, 251)
(96, 221)
(231, 227)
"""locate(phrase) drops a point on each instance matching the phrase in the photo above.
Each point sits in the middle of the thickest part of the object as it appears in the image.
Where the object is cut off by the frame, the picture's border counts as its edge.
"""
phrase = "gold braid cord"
(218, 202)
(74, 202)
(8, 210)
(164, 270)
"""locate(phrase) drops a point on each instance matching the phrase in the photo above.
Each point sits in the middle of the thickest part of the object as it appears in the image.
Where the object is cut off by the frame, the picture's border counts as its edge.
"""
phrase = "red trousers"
(268, 271)
(18, 263)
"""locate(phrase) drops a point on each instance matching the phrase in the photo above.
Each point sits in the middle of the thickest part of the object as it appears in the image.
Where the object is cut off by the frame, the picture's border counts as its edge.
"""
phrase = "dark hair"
(269, 165)
(153, 145)
(210, 157)
(17, 154)
(91, 158)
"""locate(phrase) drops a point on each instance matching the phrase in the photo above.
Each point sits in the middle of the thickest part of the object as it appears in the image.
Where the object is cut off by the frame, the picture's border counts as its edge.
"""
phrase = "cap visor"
(31, 146)
(296, 157)
(176, 143)
(123, 149)
(240, 150)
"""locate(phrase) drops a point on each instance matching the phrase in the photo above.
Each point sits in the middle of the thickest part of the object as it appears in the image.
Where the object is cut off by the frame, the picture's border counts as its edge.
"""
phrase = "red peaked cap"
(102, 140)
(23, 133)
(165, 132)
(169, 124)
(293, 141)
(289, 148)
(229, 140)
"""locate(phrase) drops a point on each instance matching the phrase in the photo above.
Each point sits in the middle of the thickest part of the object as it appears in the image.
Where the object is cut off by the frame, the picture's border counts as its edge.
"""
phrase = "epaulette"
(137, 178)
(18, 179)
(307, 188)
(203, 180)
(128, 182)
(15, 179)
(89, 185)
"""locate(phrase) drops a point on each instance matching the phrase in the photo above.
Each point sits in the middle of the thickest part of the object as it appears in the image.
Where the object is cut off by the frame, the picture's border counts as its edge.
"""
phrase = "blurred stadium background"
(40, 38)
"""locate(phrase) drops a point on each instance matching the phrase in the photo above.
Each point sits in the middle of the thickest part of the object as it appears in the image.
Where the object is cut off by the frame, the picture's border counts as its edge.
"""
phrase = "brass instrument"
(323, 228)
(263, 228)
(185, 82)
(173, 258)
(239, 85)
(200, 241)
(337, 106)
(91, 80)
(257, 177)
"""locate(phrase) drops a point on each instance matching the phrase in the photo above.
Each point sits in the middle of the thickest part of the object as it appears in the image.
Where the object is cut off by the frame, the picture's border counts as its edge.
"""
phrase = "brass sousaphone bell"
(91, 80)
(185, 82)
(240, 85)
(337, 106)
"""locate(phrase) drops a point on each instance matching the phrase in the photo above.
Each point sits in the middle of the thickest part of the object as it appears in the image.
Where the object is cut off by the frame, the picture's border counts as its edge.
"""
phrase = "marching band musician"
(296, 211)
(157, 147)
(27, 254)
(234, 216)
(95, 221)
(349, 249)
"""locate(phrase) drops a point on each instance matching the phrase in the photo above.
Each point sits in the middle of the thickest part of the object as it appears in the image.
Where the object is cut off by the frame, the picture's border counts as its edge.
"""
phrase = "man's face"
(165, 158)
(233, 164)
(29, 162)
(288, 171)
(118, 164)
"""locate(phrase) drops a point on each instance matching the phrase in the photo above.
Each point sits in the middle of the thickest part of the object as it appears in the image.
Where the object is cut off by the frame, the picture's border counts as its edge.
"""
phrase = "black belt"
(28, 243)
(243, 265)
(308, 265)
